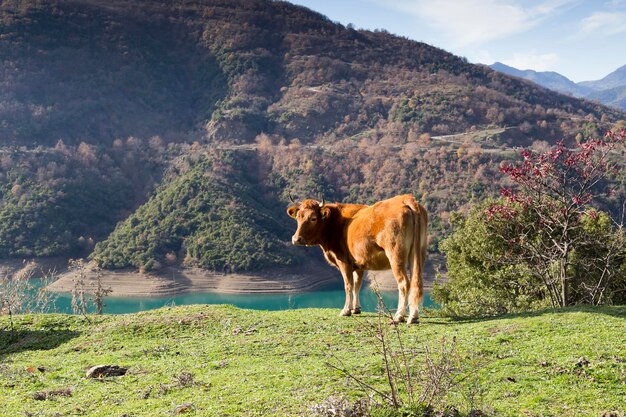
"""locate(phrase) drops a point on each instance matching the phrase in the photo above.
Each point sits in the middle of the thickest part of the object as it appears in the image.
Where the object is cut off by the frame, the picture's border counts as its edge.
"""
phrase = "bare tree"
(545, 216)
(100, 292)
(79, 301)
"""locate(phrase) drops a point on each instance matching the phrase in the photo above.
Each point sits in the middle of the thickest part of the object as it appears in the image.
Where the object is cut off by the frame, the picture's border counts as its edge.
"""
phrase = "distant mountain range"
(610, 90)
(614, 80)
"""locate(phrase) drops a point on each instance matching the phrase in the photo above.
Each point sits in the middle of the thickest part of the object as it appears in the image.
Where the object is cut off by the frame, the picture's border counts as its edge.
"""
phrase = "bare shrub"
(45, 300)
(339, 406)
(184, 379)
(79, 300)
(52, 394)
(100, 292)
(415, 386)
(81, 283)
(21, 294)
(440, 373)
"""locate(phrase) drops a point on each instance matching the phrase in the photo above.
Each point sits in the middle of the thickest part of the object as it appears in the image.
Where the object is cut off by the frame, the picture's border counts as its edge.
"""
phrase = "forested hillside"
(97, 70)
(61, 200)
(210, 213)
(236, 103)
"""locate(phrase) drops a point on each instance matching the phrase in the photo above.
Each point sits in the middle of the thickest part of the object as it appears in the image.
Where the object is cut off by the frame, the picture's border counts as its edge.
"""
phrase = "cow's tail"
(420, 249)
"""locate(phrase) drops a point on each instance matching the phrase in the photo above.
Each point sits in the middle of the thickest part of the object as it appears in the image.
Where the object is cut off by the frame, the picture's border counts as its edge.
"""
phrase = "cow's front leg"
(358, 280)
(348, 283)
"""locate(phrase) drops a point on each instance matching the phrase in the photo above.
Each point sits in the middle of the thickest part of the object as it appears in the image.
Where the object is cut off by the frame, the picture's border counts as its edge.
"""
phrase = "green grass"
(245, 362)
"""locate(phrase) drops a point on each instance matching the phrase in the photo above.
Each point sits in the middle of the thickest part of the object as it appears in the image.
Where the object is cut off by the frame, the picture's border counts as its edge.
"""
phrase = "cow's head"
(310, 215)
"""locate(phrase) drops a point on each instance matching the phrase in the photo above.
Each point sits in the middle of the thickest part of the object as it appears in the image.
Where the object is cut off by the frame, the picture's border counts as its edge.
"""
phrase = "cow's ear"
(325, 212)
(292, 211)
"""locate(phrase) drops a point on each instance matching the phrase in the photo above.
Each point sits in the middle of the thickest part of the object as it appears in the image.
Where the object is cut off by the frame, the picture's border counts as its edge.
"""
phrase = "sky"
(583, 40)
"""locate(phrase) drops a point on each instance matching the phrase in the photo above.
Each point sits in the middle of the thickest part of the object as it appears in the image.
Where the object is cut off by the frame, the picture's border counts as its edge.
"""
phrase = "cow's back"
(377, 228)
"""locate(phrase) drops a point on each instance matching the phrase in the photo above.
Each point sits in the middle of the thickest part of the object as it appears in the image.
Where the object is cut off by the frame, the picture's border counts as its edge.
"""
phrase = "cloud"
(616, 3)
(604, 23)
(483, 56)
(533, 60)
(465, 22)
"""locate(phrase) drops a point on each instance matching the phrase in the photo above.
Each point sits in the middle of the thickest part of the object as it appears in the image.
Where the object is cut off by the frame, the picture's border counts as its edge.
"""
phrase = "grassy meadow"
(220, 361)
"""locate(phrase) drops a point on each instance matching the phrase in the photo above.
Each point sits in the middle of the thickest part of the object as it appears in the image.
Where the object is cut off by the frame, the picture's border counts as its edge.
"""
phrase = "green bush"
(595, 281)
(484, 279)
(478, 283)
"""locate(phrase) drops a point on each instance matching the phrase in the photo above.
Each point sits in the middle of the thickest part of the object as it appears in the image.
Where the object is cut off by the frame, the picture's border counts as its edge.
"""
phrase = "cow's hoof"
(356, 310)
(413, 320)
(398, 319)
(345, 313)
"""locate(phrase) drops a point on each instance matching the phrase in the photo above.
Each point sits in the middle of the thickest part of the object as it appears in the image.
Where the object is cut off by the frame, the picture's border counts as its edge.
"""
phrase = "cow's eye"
(313, 219)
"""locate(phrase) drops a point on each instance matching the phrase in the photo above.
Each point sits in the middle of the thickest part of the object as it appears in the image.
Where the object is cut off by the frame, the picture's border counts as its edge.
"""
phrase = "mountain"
(95, 70)
(549, 79)
(162, 132)
(615, 79)
(609, 91)
(615, 97)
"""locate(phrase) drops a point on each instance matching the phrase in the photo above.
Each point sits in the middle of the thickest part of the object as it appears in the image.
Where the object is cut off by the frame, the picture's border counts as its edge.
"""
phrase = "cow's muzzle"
(297, 240)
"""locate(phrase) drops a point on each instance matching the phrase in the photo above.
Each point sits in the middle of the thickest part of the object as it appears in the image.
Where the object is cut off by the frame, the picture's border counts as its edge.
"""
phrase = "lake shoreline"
(174, 280)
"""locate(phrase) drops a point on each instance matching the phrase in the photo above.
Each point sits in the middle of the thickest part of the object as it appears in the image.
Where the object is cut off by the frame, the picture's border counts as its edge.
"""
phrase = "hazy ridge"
(610, 90)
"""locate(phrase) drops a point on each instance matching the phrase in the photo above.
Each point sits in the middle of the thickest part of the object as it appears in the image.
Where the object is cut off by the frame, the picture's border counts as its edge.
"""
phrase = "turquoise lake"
(317, 299)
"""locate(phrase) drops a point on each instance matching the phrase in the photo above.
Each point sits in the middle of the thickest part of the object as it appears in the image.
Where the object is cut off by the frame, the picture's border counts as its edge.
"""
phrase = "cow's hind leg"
(358, 280)
(416, 289)
(415, 296)
(403, 288)
(417, 257)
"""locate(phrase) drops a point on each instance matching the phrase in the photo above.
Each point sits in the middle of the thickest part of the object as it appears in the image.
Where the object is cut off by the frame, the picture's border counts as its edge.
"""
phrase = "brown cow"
(390, 234)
